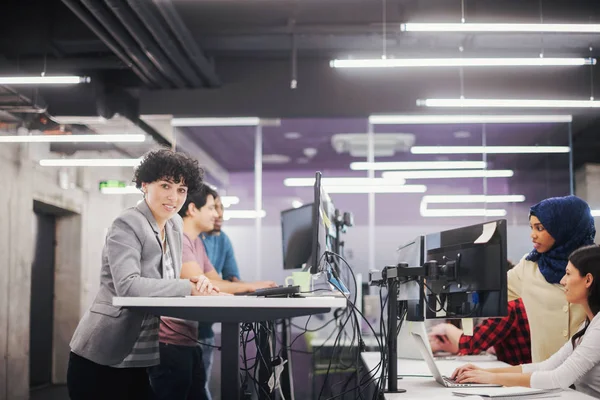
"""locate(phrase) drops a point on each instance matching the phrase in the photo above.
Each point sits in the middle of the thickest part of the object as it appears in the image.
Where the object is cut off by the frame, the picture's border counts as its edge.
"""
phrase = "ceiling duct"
(185, 38)
(106, 38)
(140, 34)
(157, 29)
(16, 102)
(120, 35)
(384, 144)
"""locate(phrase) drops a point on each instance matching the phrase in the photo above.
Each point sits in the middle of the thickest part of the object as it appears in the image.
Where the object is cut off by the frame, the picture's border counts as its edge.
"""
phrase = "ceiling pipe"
(16, 102)
(106, 38)
(157, 29)
(199, 60)
(145, 41)
(109, 22)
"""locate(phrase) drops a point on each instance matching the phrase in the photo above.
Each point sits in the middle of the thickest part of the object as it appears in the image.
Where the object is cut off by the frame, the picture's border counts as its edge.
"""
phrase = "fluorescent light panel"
(91, 162)
(445, 174)
(488, 149)
(229, 200)
(376, 189)
(43, 80)
(595, 213)
(133, 138)
(75, 119)
(464, 212)
(243, 214)
(477, 198)
(237, 121)
(467, 119)
(461, 62)
(416, 165)
(474, 27)
(508, 103)
(332, 182)
(467, 212)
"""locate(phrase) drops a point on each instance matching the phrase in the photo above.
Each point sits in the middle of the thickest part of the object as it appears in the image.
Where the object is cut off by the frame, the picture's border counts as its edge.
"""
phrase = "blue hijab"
(569, 221)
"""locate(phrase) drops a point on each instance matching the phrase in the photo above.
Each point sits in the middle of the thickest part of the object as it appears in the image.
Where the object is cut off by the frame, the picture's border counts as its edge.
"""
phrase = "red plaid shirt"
(509, 336)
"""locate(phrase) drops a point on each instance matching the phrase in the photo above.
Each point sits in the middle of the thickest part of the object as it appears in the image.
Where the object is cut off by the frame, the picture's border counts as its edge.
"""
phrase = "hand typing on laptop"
(470, 373)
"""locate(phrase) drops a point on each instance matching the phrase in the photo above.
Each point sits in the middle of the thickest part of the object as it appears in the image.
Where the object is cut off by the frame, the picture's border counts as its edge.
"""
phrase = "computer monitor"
(297, 236)
(324, 237)
(413, 254)
(470, 277)
(324, 233)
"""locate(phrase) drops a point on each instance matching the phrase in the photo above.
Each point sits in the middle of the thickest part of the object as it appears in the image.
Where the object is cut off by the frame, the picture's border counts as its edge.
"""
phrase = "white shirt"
(552, 320)
(567, 366)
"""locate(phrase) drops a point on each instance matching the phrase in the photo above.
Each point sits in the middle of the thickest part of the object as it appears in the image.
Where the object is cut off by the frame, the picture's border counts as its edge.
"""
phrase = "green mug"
(302, 279)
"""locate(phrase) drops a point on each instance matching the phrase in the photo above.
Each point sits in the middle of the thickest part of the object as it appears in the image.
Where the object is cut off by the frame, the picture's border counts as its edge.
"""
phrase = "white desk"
(428, 388)
(230, 311)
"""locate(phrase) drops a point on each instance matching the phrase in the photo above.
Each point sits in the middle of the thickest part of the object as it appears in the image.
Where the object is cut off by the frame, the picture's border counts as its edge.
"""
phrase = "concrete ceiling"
(254, 49)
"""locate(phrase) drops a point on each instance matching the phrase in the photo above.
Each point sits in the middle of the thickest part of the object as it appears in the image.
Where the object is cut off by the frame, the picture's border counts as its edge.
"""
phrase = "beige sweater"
(552, 319)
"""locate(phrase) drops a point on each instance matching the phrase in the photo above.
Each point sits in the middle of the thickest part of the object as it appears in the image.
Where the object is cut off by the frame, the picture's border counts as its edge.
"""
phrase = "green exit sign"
(112, 184)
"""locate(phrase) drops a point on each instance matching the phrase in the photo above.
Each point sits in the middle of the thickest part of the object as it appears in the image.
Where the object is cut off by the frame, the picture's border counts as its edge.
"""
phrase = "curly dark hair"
(198, 198)
(169, 165)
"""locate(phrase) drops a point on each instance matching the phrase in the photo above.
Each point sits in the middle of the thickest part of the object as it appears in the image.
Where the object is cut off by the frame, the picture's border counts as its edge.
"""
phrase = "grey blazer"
(131, 266)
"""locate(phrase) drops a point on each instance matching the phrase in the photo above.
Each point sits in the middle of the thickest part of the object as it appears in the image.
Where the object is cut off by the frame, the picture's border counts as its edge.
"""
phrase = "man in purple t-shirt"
(181, 373)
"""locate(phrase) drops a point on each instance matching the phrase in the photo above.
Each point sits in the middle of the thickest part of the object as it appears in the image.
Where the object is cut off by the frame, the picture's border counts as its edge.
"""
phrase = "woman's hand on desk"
(201, 286)
(252, 286)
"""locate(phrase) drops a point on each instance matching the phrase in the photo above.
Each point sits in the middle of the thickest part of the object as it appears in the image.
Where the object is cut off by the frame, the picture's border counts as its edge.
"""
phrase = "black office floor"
(54, 392)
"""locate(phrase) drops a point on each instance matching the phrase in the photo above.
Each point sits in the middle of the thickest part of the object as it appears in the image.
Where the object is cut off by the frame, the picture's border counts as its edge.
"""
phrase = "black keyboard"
(280, 291)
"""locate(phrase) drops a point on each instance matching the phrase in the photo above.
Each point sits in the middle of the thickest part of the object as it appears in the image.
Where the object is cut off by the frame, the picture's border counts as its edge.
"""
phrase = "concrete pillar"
(16, 212)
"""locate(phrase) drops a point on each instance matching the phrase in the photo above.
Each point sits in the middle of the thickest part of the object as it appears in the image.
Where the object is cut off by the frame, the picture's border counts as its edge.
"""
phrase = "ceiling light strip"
(376, 189)
(500, 27)
(91, 162)
(489, 149)
(416, 165)
(477, 198)
(508, 103)
(464, 212)
(243, 214)
(342, 181)
(229, 200)
(460, 62)
(467, 119)
(133, 138)
(445, 174)
(234, 121)
(43, 80)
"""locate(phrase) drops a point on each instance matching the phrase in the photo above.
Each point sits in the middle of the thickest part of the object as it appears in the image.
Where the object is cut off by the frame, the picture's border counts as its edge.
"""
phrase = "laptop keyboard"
(453, 383)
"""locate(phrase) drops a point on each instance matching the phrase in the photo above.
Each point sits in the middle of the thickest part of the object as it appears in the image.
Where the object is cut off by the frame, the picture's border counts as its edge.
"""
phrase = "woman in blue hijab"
(559, 226)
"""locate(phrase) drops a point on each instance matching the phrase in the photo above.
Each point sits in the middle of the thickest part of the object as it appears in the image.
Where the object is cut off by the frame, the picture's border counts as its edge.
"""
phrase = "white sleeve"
(567, 366)
(553, 362)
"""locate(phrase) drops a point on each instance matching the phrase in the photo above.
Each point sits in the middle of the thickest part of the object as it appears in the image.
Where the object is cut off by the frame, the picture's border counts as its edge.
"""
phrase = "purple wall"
(400, 209)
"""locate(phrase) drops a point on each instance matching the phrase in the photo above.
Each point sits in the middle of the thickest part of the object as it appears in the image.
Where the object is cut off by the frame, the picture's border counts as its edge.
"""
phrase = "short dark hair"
(198, 198)
(170, 165)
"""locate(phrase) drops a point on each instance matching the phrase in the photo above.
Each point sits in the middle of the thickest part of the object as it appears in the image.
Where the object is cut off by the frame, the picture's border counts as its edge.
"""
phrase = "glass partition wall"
(413, 179)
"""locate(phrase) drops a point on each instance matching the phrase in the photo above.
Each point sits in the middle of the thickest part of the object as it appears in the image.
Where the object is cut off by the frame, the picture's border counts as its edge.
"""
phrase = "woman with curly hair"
(113, 346)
